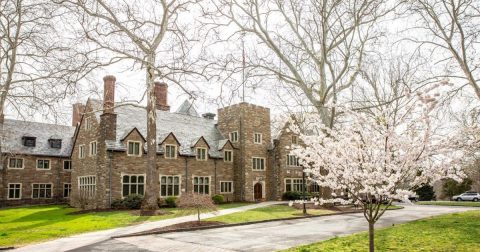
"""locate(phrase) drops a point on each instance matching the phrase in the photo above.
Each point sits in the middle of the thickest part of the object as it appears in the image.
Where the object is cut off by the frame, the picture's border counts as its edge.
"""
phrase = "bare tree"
(315, 49)
(39, 64)
(197, 203)
(453, 34)
(150, 35)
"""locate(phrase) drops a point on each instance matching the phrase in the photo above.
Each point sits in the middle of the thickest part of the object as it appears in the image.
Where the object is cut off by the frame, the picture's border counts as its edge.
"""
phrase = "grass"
(24, 225)
(450, 203)
(233, 205)
(452, 232)
(265, 213)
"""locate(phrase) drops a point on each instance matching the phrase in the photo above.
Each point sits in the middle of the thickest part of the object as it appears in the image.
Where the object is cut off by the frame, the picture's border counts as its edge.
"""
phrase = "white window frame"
(81, 151)
(92, 149)
(231, 186)
(296, 162)
(296, 139)
(15, 168)
(88, 123)
(264, 164)
(203, 184)
(232, 139)
(206, 153)
(225, 156)
(69, 161)
(8, 191)
(43, 159)
(91, 187)
(297, 183)
(173, 185)
(174, 153)
(51, 189)
(69, 192)
(139, 149)
(260, 138)
(130, 183)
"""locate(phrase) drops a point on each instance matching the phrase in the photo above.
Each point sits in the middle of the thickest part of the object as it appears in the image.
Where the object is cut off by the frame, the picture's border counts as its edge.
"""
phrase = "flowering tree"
(196, 203)
(378, 157)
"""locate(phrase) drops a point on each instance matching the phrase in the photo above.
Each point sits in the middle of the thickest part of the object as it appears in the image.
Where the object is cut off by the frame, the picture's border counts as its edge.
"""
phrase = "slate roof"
(187, 128)
(14, 130)
(187, 108)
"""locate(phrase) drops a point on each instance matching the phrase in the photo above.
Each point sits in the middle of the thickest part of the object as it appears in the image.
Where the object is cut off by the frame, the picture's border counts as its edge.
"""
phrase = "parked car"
(413, 197)
(468, 196)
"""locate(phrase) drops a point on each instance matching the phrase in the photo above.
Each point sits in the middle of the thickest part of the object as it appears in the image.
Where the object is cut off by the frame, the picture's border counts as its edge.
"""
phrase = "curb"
(228, 225)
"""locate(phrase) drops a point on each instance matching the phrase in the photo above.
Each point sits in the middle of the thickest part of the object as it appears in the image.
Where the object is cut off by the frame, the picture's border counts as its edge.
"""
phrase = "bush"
(132, 201)
(452, 187)
(295, 195)
(425, 193)
(171, 201)
(218, 199)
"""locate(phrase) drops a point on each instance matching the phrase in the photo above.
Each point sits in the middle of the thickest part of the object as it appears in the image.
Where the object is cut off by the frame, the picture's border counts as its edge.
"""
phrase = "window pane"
(130, 148)
(11, 193)
(125, 190)
(164, 179)
(176, 189)
(133, 189)
(170, 189)
(140, 179)
(176, 180)
(133, 179)
(163, 190)
(206, 180)
(137, 149)
(207, 189)
(125, 179)
(141, 189)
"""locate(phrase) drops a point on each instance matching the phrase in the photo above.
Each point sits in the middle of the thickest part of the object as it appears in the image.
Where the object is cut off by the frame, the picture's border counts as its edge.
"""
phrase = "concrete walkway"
(81, 240)
(269, 236)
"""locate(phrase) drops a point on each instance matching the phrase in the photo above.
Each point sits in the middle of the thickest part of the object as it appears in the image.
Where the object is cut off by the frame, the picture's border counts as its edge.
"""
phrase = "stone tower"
(248, 128)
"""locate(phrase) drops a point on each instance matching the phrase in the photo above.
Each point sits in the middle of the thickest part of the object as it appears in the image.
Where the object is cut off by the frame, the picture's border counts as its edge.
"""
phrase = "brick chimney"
(77, 111)
(108, 94)
(161, 91)
(108, 120)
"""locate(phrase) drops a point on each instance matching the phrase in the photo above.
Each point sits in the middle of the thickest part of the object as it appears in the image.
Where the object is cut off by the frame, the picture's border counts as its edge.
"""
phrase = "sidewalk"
(73, 242)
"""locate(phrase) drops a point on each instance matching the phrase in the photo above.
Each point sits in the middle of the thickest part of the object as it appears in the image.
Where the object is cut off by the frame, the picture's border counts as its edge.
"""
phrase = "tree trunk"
(371, 236)
(152, 186)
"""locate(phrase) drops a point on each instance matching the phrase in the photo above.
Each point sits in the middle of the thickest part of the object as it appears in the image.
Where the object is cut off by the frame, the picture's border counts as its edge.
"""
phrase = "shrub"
(218, 199)
(117, 204)
(171, 201)
(132, 201)
(295, 195)
(452, 187)
(425, 193)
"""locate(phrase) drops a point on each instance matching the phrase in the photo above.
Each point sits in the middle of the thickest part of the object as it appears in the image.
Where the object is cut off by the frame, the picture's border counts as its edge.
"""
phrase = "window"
(133, 184)
(81, 151)
(15, 163)
(67, 189)
(258, 164)
(201, 154)
(294, 139)
(41, 191)
(87, 186)
(88, 123)
(201, 185)
(293, 185)
(133, 148)
(314, 187)
(29, 141)
(169, 186)
(14, 191)
(257, 138)
(55, 143)
(170, 151)
(226, 186)
(228, 156)
(234, 136)
(43, 164)
(292, 160)
(93, 148)
(67, 165)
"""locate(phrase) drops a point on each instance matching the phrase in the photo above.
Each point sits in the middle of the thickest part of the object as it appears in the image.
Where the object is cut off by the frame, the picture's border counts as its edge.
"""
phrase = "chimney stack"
(209, 116)
(161, 91)
(78, 109)
(108, 94)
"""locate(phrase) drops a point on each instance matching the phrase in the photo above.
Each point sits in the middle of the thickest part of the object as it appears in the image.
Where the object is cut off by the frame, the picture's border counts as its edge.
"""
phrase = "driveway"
(268, 236)
(82, 240)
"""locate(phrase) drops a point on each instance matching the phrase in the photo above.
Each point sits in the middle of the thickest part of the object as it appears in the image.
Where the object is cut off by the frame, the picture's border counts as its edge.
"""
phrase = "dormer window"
(201, 154)
(28, 141)
(55, 143)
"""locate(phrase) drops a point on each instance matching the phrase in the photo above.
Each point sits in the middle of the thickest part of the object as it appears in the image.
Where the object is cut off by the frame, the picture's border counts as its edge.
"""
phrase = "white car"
(468, 196)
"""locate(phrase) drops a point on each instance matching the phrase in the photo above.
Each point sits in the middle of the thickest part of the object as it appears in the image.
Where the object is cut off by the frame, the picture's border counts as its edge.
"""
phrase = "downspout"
(186, 174)
(110, 158)
(215, 177)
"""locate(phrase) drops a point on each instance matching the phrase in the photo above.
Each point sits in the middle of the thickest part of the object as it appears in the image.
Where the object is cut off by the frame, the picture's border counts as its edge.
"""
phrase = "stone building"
(105, 153)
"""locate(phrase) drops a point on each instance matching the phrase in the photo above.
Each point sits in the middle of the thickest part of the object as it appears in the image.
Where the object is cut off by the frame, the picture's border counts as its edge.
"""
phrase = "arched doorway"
(257, 191)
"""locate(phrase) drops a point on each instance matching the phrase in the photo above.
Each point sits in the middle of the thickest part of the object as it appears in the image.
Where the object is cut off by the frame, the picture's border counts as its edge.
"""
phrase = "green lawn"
(450, 203)
(23, 225)
(452, 232)
(265, 213)
(233, 205)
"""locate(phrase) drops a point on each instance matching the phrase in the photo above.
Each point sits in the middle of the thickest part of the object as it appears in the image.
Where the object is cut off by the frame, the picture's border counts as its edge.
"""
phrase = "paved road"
(82, 240)
(268, 236)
